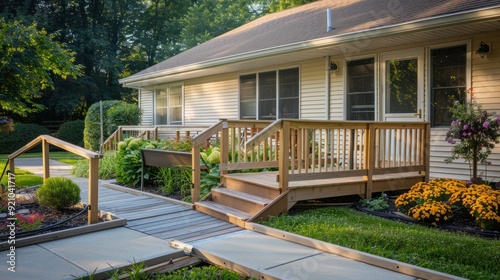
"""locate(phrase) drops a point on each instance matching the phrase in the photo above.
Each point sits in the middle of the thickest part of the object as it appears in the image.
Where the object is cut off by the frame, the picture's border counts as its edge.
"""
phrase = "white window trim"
(276, 70)
(166, 87)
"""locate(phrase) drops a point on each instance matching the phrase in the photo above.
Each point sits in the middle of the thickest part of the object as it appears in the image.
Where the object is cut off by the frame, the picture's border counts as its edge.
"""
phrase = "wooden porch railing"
(149, 132)
(93, 158)
(232, 134)
(306, 149)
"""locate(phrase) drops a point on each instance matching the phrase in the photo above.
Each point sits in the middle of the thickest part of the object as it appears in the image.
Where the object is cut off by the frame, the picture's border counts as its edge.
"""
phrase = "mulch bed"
(54, 220)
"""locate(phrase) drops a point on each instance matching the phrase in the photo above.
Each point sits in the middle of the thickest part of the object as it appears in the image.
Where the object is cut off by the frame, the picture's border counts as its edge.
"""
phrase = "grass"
(62, 156)
(457, 254)
(27, 179)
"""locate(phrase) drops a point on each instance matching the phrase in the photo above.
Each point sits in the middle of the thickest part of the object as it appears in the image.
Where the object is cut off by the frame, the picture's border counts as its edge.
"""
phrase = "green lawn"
(457, 254)
(25, 178)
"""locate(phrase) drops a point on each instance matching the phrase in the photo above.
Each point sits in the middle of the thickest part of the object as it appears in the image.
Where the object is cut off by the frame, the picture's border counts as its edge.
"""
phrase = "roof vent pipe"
(329, 20)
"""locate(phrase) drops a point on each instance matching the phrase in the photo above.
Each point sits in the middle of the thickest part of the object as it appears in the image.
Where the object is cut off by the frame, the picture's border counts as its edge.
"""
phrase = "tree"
(29, 61)
(280, 5)
(207, 19)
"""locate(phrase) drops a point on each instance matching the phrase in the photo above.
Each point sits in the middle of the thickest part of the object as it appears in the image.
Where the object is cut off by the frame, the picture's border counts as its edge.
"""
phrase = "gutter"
(490, 13)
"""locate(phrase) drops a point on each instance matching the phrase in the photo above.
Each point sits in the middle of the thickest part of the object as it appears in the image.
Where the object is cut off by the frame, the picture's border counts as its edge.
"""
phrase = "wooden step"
(245, 182)
(239, 200)
(223, 212)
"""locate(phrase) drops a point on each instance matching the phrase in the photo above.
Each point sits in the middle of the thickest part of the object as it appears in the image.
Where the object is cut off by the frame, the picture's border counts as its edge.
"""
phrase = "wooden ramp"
(255, 251)
(160, 217)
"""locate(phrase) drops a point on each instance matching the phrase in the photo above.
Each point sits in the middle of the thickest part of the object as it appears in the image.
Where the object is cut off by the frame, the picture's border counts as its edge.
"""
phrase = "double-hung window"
(270, 95)
(360, 97)
(169, 105)
(448, 82)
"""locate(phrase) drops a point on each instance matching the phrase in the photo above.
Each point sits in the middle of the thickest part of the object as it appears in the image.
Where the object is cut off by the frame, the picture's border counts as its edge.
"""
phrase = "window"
(448, 82)
(169, 106)
(360, 89)
(270, 95)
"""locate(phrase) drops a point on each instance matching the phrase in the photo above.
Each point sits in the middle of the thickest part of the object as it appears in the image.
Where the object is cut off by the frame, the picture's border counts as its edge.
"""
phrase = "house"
(396, 60)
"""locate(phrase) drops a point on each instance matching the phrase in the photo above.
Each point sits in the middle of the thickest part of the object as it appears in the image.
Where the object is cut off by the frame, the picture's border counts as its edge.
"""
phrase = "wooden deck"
(324, 188)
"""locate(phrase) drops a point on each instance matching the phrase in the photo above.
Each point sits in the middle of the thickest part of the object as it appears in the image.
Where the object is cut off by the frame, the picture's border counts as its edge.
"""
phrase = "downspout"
(327, 88)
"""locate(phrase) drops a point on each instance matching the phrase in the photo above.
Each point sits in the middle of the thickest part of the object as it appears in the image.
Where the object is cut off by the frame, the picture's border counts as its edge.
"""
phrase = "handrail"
(320, 149)
(93, 158)
(145, 131)
(208, 133)
(264, 134)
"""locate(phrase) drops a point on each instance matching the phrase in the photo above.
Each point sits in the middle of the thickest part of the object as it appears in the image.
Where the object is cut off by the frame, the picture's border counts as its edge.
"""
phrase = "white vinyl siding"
(209, 99)
(146, 105)
(485, 84)
(313, 94)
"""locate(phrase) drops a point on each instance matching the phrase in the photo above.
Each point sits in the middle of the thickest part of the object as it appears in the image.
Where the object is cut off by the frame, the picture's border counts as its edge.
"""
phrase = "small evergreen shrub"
(58, 193)
(23, 133)
(72, 132)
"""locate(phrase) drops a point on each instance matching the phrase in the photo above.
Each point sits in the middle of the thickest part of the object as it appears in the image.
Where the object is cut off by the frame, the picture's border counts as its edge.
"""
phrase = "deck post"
(119, 134)
(45, 159)
(93, 191)
(155, 133)
(427, 150)
(284, 155)
(370, 159)
(196, 169)
(224, 147)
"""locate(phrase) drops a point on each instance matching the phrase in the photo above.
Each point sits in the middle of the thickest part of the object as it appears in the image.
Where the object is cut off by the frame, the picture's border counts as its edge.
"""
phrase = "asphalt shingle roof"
(308, 22)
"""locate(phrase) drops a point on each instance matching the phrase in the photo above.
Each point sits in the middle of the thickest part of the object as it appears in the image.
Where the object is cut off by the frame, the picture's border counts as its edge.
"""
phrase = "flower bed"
(443, 200)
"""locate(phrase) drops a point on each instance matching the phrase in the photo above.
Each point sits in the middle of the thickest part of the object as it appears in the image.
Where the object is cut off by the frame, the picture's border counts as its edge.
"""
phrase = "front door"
(402, 88)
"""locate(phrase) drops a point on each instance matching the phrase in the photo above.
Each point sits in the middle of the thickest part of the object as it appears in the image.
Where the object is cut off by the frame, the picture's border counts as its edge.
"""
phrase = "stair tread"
(243, 195)
(225, 209)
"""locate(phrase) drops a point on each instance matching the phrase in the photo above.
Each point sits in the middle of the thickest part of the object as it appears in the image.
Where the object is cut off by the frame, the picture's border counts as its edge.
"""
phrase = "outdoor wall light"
(333, 67)
(483, 50)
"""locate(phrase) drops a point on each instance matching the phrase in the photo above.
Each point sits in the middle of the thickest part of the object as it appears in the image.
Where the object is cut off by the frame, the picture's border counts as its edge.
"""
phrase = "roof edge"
(442, 21)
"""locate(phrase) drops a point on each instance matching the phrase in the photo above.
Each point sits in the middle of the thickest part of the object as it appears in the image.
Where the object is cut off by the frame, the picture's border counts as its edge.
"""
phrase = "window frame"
(375, 87)
(428, 74)
(167, 89)
(277, 99)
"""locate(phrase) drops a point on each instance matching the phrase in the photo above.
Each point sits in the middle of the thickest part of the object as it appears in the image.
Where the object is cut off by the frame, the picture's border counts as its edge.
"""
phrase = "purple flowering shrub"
(473, 132)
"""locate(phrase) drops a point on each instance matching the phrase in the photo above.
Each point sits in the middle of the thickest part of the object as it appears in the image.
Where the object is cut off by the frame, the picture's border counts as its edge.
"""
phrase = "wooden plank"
(385, 263)
(163, 158)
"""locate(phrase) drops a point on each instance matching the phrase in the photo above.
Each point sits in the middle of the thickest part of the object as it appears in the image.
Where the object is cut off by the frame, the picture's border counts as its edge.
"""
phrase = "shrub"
(111, 119)
(129, 164)
(22, 135)
(122, 114)
(107, 167)
(58, 193)
(72, 132)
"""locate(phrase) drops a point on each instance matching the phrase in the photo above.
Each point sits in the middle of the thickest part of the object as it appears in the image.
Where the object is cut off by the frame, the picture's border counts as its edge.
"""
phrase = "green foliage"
(72, 132)
(379, 204)
(129, 163)
(58, 193)
(280, 5)
(122, 114)
(107, 167)
(422, 246)
(173, 181)
(22, 135)
(29, 58)
(210, 18)
(112, 118)
(476, 131)
(203, 272)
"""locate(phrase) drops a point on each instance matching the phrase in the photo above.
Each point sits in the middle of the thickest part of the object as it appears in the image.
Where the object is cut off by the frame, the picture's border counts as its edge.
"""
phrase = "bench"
(163, 158)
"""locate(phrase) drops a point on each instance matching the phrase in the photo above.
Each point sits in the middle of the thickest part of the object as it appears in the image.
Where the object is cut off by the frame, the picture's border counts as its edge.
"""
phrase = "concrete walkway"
(242, 250)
